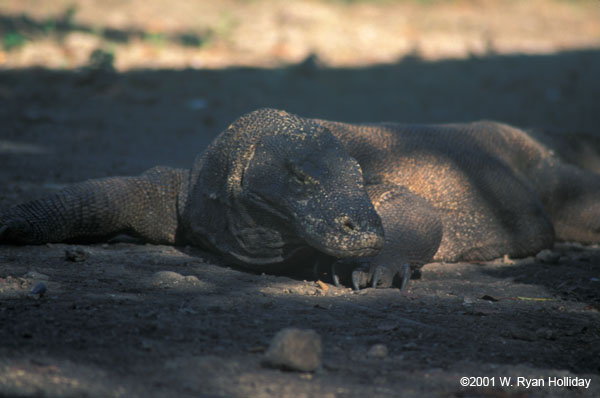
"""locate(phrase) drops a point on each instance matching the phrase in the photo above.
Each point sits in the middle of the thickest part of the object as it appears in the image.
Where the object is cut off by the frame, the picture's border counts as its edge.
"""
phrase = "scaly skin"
(274, 189)
(143, 206)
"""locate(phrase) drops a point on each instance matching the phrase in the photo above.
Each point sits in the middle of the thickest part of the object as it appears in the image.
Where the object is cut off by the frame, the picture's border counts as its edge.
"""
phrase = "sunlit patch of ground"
(207, 34)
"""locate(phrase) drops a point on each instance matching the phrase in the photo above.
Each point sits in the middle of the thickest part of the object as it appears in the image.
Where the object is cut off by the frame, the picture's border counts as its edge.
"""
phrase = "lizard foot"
(381, 276)
(376, 276)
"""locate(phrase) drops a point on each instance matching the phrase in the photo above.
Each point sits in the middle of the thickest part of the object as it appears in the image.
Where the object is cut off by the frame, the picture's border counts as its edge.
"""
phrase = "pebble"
(547, 257)
(36, 276)
(40, 289)
(191, 279)
(76, 255)
(295, 349)
(170, 278)
(545, 333)
(467, 301)
(378, 351)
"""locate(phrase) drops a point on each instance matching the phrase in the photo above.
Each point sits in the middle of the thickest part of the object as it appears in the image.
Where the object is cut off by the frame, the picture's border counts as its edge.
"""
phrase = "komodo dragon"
(276, 191)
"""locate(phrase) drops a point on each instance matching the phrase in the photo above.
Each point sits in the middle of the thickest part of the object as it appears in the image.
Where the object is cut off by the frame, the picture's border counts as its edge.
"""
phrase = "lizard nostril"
(349, 225)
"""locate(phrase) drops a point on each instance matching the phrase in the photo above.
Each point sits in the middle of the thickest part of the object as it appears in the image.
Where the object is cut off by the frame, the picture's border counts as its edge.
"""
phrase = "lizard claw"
(381, 276)
(334, 275)
(315, 270)
(363, 274)
(359, 279)
(406, 274)
(320, 267)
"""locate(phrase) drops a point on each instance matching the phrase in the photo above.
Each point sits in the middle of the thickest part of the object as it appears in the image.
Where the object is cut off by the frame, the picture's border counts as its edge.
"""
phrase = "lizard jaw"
(337, 239)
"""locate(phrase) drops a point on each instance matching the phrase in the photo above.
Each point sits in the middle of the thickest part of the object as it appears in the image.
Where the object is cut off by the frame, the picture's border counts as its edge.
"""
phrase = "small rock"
(378, 351)
(467, 301)
(191, 279)
(148, 345)
(410, 345)
(547, 257)
(295, 349)
(545, 333)
(36, 276)
(76, 255)
(489, 298)
(386, 326)
(519, 334)
(171, 279)
(40, 289)
(167, 278)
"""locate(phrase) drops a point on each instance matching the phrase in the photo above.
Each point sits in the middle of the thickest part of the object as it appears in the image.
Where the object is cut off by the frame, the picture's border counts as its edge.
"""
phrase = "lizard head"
(301, 176)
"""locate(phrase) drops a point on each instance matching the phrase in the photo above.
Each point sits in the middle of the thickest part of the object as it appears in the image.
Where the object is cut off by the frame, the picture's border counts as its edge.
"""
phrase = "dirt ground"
(97, 88)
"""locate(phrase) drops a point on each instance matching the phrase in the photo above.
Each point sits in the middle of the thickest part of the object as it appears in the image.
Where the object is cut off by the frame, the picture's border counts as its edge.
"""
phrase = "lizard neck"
(230, 229)
(216, 216)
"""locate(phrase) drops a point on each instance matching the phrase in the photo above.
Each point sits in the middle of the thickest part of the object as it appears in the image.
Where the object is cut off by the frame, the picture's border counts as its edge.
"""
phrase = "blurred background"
(135, 34)
(98, 87)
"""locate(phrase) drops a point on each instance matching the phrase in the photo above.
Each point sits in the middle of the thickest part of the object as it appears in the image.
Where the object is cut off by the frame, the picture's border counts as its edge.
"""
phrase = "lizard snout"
(358, 238)
(346, 236)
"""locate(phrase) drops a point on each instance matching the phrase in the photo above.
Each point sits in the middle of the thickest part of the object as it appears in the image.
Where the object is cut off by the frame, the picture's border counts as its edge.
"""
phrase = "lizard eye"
(296, 173)
(300, 181)
(299, 177)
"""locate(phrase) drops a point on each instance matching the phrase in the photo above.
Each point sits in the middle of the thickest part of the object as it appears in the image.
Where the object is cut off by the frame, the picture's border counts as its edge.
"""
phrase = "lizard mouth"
(349, 253)
(342, 239)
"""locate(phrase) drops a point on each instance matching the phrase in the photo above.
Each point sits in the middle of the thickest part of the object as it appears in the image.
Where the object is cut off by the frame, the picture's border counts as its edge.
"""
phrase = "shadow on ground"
(108, 324)
(136, 119)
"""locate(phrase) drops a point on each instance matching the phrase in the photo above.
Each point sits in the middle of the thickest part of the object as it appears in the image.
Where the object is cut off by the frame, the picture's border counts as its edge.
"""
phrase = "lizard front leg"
(413, 232)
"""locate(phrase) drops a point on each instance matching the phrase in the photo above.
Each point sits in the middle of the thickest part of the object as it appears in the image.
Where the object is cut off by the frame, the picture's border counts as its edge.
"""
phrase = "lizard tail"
(145, 206)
